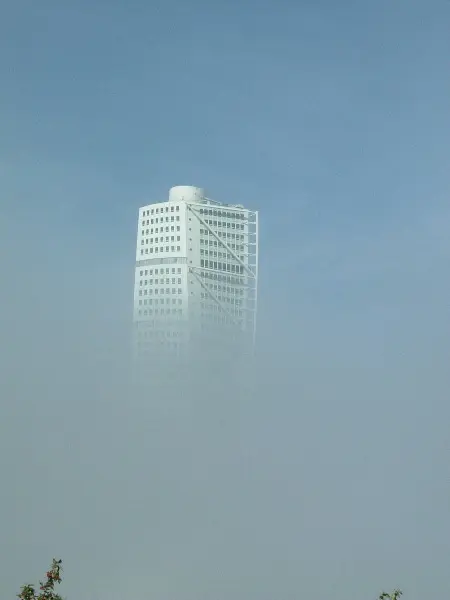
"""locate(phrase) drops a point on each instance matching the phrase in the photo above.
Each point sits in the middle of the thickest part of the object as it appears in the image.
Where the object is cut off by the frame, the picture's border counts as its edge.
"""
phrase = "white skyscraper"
(196, 276)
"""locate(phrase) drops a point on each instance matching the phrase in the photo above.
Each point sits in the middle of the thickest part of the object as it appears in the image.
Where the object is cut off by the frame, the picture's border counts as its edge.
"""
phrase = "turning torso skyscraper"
(196, 278)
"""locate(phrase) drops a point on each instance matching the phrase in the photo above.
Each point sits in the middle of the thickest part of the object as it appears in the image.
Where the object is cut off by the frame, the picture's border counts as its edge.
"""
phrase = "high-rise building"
(196, 277)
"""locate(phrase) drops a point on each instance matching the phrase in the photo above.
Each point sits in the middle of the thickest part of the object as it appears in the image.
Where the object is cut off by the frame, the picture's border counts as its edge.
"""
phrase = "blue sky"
(335, 111)
(331, 118)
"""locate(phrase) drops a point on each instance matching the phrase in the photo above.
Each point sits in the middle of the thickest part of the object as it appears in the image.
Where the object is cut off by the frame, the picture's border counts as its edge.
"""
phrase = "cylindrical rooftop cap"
(186, 193)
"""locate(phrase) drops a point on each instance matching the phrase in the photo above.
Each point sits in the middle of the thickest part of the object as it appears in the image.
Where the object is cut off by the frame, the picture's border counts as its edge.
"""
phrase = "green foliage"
(47, 588)
(395, 595)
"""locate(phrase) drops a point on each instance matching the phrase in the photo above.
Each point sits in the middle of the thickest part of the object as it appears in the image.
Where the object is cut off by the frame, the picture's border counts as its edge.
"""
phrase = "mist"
(318, 469)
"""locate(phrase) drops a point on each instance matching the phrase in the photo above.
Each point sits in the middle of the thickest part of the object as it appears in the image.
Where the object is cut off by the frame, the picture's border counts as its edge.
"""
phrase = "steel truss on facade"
(248, 264)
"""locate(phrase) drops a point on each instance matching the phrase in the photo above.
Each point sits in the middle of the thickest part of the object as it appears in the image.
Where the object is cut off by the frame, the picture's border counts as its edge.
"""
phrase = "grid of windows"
(146, 212)
(211, 246)
(223, 214)
(160, 231)
(223, 241)
(161, 311)
(156, 335)
(209, 285)
(226, 267)
(230, 291)
(159, 291)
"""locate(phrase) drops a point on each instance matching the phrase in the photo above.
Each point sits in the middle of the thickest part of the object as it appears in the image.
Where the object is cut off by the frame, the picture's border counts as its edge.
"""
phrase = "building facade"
(196, 277)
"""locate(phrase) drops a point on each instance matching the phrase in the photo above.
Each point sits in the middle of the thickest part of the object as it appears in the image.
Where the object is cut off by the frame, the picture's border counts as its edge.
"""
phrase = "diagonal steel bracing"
(213, 296)
(222, 243)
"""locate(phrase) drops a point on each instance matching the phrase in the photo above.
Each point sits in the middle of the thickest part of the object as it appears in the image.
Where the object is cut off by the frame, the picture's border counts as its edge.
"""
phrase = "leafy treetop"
(46, 588)
(395, 595)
